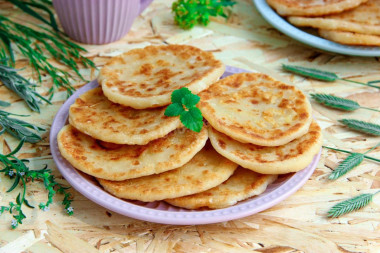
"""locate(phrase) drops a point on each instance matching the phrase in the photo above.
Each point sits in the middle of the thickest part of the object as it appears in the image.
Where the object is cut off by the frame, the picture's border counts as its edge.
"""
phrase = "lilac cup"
(98, 21)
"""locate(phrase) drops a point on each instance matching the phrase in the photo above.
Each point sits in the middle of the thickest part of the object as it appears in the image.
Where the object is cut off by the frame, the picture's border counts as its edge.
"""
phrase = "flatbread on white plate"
(242, 185)
(255, 108)
(120, 162)
(350, 38)
(364, 19)
(146, 77)
(93, 114)
(206, 170)
(291, 157)
(312, 7)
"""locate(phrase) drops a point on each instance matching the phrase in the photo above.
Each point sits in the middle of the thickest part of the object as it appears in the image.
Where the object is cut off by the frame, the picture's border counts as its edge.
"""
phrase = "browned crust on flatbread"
(93, 114)
(365, 19)
(155, 91)
(206, 170)
(120, 162)
(282, 161)
(241, 185)
(295, 7)
(350, 38)
(247, 134)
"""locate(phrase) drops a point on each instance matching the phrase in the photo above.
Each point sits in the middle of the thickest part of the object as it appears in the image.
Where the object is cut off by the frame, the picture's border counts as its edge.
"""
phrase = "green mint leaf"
(174, 110)
(190, 100)
(312, 73)
(177, 95)
(192, 119)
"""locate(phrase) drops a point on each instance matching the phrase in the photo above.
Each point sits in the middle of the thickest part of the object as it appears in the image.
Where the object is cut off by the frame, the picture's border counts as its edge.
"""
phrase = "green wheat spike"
(361, 126)
(350, 205)
(336, 102)
(352, 161)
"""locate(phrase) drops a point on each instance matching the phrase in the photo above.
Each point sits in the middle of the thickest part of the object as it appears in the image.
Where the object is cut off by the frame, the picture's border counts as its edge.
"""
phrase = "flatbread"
(120, 162)
(365, 19)
(255, 108)
(146, 77)
(291, 157)
(93, 114)
(206, 170)
(241, 185)
(350, 38)
(312, 7)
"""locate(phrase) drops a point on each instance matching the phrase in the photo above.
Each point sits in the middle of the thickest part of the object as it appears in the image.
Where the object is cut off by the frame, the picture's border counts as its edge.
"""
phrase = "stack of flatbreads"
(352, 22)
(119, 134)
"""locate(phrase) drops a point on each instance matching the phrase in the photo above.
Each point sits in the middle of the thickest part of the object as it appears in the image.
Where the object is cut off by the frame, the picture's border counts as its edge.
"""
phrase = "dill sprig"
(17, 170)
(351, 205)
(39, 45)
(338, 102)
(352, 161)
(323, 75)
(22, 87)
(18, 128)
(361, 126)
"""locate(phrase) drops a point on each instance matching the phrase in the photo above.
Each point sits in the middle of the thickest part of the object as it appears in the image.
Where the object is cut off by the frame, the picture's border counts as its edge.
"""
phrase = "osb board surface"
(298, 224)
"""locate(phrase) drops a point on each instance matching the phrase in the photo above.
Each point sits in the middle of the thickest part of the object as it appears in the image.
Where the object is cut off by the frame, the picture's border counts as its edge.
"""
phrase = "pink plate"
(160, 211)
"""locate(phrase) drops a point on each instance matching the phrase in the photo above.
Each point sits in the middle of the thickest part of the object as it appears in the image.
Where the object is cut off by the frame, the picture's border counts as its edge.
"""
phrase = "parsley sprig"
(188, 13)
(17, 170)
(184, 105)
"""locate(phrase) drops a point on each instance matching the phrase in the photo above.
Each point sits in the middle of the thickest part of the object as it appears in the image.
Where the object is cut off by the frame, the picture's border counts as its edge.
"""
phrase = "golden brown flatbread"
(206, 170)
(93, 114)
(146, 77)
(364, 19)
(241, 185)
(350, 38)
(291, 157)
(312, 7)
(120, 162)
(255, 108)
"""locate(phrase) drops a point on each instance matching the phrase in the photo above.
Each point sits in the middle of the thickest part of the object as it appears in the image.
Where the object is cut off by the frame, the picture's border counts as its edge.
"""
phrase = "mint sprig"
(184, 105)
